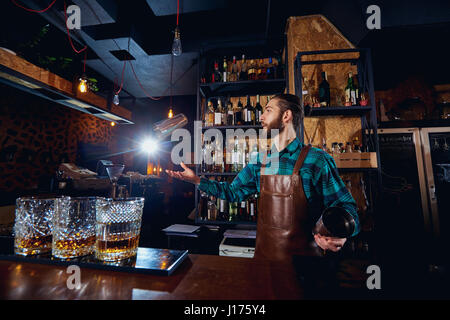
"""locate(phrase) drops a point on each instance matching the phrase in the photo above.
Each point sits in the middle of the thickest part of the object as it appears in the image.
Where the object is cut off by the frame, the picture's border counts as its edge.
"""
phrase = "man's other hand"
(329, 243)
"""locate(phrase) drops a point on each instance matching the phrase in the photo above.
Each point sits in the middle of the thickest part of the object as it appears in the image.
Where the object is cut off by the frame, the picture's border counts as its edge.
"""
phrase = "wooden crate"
(356, 160)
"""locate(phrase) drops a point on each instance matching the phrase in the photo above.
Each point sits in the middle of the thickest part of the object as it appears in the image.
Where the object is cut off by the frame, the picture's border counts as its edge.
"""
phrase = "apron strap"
(301, 159)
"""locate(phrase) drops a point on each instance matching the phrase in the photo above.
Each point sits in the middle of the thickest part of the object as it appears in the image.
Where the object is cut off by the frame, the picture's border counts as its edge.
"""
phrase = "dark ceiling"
(144, 28)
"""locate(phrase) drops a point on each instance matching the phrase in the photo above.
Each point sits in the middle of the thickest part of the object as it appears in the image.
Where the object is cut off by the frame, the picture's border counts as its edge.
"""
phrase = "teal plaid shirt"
(322, 184)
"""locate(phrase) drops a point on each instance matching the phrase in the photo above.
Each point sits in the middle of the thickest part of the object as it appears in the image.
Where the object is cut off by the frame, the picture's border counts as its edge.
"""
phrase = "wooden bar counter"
(199, 277)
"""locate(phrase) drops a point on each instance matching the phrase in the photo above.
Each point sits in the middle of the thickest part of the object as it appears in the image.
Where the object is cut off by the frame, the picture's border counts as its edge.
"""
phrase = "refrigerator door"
(404, 194)
(436, 150)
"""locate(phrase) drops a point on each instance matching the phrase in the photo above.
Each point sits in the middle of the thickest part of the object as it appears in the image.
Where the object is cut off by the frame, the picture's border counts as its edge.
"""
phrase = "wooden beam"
(48, 79)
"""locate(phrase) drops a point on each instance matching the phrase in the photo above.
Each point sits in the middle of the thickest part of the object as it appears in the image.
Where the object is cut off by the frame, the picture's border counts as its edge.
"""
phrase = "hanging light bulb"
(176, 46)
(113, 123)
(116, 99)
(83, 85)
(170, 115)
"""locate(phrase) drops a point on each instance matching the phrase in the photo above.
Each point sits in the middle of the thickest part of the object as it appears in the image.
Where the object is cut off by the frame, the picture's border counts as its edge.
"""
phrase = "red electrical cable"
(121, 82)
(68, 32)
(140, 84)
(178, 10)
(31, 10)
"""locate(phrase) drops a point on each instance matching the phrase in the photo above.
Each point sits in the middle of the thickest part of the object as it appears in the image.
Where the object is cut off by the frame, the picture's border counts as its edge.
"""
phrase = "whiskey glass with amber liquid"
(118, 228)
(74, 223)
(33, 225)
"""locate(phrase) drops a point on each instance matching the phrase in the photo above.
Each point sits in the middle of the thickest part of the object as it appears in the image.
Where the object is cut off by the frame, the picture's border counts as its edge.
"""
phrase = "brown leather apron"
(282, 228)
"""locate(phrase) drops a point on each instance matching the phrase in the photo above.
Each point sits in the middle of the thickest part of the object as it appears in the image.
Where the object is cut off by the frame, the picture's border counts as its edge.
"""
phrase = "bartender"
(303, 179)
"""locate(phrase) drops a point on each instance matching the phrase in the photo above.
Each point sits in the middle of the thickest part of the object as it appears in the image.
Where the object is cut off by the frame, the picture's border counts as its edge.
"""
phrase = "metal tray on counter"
(148, 260)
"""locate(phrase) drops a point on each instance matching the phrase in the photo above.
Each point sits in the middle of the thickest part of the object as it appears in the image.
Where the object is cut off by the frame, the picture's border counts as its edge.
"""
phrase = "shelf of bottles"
(241, 77)
(212, 209)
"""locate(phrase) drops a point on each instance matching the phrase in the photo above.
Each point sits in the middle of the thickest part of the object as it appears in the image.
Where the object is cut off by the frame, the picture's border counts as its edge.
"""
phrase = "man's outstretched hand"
(187, 175)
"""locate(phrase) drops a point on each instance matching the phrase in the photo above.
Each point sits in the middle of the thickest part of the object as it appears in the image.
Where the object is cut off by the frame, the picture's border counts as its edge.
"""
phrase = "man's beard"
(276, 125)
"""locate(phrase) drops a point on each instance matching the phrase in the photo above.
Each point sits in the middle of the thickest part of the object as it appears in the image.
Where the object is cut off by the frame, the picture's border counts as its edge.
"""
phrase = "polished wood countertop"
(199, 277)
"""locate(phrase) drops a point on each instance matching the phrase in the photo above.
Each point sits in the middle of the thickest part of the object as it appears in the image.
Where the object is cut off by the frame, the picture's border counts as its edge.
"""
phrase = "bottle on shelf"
(226, 158)
(236, 156)
(223, 209)
(348, 148)
(230, 113)
(252, 201)
(212, 208)
(203, 206)
(232, 211)
(225, 76)
(238, 114)
(261, 74)
(270, 70)
(224, 112)
(324, 91)
(218, 114)
(258, 111)
(242, 211)
(356, 144)
(217, 75)
(209, 117)
(350, 92)
(251, 73)
(250, 112)
(245, 120)
(218, 158)
(357, 90)
(234, 75)
(243, 74)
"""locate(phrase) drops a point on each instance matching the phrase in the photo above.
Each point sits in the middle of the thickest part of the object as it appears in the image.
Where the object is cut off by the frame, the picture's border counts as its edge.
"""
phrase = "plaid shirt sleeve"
(243, 185)
(330, 186)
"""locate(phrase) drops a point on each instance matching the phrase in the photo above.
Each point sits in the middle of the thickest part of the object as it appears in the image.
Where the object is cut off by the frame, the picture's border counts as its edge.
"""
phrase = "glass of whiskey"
(118, 228)
(33, 225)
(73, 227)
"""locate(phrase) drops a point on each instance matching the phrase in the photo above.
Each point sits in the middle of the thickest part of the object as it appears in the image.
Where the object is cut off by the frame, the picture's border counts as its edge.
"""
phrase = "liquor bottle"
(212, 209)
(243, 74)
(250, 112)
(232, 211)
(334, 147)
(226, 158)
(217, 75)
(242, 211)
(225, 70)
(203, 165)
(223, 210)
(218, 114)
(251, 73)
(262, 75)
(203, 206)
(209, 121)
(209, 157)
(246, 156)
(245, 120)
(356, 144)
(218, 158)
(270, 70)
(234, 76)
(224, 112)
(350, 92)
(324, 91)
(357, 90)
(252, 203)
(258, 111)
(348, 148)
(236, 156)
(230, 113)
(238, 116)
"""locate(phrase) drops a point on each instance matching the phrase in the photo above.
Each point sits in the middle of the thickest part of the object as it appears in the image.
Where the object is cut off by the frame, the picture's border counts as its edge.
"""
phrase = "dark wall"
(36, 135)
